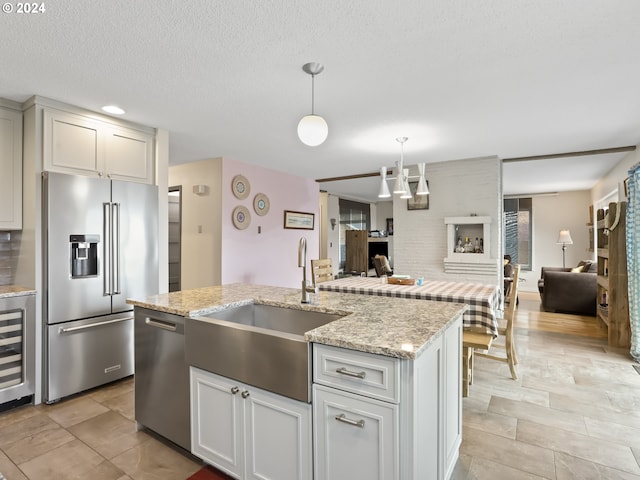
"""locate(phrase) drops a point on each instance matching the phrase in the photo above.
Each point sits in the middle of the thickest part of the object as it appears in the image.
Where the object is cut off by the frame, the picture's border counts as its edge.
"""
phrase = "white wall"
(333, 235)
(215, 252)
(615, 178)
(201, 243)
(458, 188)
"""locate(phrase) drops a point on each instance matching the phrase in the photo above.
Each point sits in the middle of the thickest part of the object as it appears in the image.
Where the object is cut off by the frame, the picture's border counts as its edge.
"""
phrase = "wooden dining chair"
(322, 270)
(480, 344)
(505, 329)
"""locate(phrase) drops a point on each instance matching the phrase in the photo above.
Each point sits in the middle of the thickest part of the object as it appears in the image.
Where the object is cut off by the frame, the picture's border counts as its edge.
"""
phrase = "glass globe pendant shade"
(312, 130)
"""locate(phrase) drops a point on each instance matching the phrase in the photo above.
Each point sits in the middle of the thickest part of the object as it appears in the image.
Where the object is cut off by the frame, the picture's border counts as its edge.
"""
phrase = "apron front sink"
(261, 345)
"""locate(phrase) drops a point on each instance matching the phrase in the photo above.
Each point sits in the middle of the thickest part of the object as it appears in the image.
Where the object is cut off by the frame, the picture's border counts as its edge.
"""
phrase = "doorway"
(175, 237)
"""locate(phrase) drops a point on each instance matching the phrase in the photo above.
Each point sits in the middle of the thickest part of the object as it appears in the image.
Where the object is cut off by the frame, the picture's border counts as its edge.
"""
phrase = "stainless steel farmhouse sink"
(261, 345)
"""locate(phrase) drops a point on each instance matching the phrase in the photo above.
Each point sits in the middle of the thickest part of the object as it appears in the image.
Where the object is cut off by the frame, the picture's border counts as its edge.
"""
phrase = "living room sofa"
(567, 290)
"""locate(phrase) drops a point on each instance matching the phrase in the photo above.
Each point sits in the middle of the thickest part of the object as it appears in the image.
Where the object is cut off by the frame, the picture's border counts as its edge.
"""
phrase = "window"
(518, 222)
(353, 216)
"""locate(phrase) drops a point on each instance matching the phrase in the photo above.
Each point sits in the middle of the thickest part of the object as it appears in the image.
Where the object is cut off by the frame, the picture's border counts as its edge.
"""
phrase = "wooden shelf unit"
(613, 295)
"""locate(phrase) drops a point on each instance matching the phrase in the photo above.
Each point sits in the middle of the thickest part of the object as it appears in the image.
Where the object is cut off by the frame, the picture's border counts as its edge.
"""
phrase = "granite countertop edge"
(395, 327)
(7, 291)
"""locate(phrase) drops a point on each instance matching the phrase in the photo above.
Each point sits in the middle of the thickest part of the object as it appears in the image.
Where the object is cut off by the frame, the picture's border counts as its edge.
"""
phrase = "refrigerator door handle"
(115, 239)
(95, 324)
(107, 277)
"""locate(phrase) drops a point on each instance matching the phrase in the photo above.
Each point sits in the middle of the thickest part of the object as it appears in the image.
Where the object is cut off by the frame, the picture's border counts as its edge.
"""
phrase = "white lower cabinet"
(247, 432)
(356, 436)
(384, 418)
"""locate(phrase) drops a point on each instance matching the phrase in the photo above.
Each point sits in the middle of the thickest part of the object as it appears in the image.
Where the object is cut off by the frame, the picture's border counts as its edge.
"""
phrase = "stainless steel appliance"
(17, 349)
(100, 247)
(162, 376)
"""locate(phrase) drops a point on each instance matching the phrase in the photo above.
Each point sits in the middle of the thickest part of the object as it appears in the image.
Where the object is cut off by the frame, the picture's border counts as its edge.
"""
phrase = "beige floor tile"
(111, 390)
(153, 460)
(9, 469)
(103, 471)
(584, 393)
(461, 470)
(110, 434)
(37, 444)
(502, 425)
(75, 410)
(601, 410)
(17, 414)
(73, 459)
(581, 446)
(572, 468)
(24, 428)
(482, 469)
(538, 414)
(522, 456)
(124, 404)
(622, 434)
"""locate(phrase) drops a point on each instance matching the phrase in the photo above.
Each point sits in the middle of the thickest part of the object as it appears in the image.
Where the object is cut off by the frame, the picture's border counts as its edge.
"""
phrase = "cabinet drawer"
(374, 376)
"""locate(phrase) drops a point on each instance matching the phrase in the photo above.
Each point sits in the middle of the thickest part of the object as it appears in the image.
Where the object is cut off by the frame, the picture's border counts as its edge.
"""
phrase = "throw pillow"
(577, 269)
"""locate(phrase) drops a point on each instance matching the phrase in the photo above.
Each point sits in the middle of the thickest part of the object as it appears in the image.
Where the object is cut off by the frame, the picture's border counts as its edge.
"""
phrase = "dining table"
(483, 299)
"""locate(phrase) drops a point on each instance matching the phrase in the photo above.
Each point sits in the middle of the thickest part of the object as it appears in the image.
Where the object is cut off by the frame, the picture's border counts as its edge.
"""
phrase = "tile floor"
(574, 413)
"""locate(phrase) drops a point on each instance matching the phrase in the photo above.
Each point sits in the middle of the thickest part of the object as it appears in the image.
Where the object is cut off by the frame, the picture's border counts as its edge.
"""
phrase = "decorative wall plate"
(240, 186)
(241, 217)
(261, 204)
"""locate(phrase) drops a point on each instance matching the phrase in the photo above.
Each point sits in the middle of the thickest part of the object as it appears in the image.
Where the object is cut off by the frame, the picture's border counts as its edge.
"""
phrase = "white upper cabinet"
(10, 169)
(77, 144)
(129, 155)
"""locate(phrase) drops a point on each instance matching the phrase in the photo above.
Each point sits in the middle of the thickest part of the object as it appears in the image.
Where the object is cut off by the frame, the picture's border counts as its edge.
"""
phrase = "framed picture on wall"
(389, 226)
(298, 220)
(417, 202)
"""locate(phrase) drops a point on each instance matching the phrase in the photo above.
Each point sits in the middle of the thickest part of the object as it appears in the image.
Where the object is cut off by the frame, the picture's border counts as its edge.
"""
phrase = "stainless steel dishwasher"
(162, 376)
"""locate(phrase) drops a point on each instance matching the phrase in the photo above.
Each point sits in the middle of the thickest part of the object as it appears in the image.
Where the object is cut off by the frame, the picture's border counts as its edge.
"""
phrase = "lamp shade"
(398, 186)
(564, 237)
(423, 188)
(312, 130)
(384, 188)
(407, 189)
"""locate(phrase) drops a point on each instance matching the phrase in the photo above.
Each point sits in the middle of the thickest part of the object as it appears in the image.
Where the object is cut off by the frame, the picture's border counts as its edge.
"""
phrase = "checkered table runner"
(483, 300)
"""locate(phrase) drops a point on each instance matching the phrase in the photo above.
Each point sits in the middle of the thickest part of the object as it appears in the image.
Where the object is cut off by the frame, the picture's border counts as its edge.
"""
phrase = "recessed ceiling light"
(113, 109)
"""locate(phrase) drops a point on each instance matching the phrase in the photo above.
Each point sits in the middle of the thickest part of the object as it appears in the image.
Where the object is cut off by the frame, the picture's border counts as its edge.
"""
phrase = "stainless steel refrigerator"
(100, 248)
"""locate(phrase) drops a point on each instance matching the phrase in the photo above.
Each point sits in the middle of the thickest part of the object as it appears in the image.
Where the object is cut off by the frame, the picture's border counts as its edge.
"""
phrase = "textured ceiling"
(460, 78)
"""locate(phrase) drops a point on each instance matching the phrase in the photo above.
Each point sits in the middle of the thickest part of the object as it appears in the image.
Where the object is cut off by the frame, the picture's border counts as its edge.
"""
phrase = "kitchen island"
(386, 397)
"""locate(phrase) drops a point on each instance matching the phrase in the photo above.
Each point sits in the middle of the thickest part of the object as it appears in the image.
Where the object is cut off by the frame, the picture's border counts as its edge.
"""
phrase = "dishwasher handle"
(157, 323)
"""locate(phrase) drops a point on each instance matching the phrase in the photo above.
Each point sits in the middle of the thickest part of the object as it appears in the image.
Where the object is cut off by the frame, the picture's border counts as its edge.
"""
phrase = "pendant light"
(400, 185)
(423, 188)
(312, 129)
(405, 179)
(384, 188)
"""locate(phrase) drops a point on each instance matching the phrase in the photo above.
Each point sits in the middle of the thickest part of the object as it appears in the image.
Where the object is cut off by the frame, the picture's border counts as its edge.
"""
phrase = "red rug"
(209, 473)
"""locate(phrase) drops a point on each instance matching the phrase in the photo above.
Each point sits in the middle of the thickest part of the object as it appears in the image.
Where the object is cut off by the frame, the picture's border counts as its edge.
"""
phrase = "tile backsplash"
(9, 242)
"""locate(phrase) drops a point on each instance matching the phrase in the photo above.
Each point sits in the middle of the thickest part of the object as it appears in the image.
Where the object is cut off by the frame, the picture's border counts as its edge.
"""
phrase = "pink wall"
(270, 257)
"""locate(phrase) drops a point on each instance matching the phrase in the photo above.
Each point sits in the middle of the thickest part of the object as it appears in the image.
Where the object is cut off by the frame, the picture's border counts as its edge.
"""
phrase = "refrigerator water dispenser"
(84, 255)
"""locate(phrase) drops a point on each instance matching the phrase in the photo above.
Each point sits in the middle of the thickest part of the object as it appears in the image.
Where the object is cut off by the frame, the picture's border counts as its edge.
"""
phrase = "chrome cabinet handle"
(245, 394)
(356, 423)
(235, 390)
(348, 373)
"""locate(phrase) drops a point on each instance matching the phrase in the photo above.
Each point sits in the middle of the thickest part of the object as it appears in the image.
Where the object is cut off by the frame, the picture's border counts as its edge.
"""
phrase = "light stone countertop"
(395, 327)
(15, 291)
